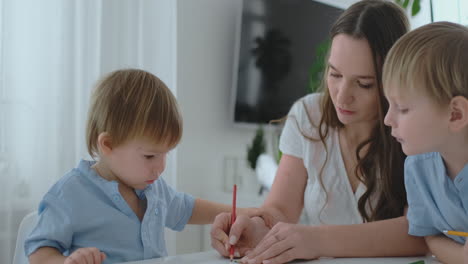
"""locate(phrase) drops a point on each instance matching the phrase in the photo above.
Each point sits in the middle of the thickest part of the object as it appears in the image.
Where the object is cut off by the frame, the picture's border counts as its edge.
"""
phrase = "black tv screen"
(278, 46)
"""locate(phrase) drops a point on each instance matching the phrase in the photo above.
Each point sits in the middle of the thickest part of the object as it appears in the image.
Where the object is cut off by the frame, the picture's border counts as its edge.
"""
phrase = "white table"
(212, 257)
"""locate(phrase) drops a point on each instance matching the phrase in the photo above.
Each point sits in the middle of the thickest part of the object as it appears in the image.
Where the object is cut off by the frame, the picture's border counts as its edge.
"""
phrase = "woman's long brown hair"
(380, 169)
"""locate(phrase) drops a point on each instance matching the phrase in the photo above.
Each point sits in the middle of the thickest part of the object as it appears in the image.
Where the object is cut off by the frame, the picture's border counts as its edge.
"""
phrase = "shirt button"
(116, 197)
(156, 212)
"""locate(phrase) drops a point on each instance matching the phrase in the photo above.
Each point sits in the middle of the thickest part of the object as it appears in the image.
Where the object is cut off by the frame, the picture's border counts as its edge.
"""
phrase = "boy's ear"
(104, 143)
(458, 113)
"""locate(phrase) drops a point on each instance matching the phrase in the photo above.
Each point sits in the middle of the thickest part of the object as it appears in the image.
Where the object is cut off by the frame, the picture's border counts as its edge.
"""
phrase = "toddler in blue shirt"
(115, 209)
(425, 80)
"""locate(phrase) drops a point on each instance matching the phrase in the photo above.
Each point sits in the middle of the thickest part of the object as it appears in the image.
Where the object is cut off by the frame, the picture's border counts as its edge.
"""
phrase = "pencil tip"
(445, 231)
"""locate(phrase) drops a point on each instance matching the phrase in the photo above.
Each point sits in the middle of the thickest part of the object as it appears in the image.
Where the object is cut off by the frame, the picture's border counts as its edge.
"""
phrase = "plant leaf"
(415, 8)
(405, 4)
(318, 66)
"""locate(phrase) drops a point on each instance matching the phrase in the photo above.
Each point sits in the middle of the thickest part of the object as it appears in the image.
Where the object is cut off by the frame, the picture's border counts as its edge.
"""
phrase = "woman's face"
(352, 81)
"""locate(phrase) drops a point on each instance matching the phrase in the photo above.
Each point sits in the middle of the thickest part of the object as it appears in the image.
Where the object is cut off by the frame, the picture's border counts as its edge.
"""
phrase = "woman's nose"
(345, 95)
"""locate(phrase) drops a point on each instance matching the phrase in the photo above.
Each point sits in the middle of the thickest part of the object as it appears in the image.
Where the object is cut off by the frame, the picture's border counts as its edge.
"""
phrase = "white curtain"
(51, 54)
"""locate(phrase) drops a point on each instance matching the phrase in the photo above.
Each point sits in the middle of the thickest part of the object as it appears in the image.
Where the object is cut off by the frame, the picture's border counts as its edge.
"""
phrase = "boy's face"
(138, 163)
(351, 80)
(417, 122)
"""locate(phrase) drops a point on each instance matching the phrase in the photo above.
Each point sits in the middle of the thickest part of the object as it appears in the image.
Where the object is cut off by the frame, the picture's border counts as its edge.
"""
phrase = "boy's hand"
(465, 252)
(86, 256)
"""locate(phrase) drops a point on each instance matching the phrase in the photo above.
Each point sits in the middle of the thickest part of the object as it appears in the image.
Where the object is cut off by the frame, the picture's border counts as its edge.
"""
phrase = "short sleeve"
(419, 216)
(291, 137)
(179, 207)
(303, 113)
(53, 229)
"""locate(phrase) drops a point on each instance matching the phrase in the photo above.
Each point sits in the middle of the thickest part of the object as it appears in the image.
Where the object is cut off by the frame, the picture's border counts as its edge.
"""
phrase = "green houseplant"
(257, 148)
(415, 5)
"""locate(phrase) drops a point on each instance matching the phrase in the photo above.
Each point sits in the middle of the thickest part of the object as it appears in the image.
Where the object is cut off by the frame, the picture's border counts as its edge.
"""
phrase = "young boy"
(115, 209)
(426, 82)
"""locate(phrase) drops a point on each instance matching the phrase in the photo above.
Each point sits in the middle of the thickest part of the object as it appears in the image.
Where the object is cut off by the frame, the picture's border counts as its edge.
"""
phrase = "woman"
(340, 163)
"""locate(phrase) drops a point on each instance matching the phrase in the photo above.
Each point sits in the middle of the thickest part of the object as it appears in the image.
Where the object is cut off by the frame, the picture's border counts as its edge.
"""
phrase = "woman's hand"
(284, 243)
(245, 233)
(249, 211)
(86, 256)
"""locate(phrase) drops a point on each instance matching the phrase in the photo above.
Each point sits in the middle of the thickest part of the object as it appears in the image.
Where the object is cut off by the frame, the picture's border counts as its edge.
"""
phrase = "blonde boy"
(426, 82)
(115, 209)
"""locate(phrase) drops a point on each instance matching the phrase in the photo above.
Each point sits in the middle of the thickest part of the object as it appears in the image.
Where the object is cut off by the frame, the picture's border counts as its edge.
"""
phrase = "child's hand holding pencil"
(465, 248)
(465, 253)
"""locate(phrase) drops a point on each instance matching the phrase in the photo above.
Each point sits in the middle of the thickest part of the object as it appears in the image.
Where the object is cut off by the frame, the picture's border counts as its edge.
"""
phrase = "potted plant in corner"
(256, 148)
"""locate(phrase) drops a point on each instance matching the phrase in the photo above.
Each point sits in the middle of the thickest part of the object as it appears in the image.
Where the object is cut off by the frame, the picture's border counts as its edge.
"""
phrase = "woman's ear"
(458, 113)
(104, 143)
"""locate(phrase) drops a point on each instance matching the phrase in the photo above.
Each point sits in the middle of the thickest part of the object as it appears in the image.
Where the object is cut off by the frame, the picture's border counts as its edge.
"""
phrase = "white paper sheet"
(212, 257)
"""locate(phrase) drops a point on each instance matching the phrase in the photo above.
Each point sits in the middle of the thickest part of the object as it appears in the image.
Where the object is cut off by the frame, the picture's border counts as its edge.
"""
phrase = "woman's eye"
(335, 75)
(365, 86)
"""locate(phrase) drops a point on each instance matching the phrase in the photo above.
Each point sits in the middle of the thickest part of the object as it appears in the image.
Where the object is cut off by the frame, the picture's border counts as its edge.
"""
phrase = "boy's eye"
(403, 110)
(149, 156)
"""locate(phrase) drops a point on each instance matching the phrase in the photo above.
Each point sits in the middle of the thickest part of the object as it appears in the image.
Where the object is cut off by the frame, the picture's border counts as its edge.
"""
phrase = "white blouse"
(342, 205)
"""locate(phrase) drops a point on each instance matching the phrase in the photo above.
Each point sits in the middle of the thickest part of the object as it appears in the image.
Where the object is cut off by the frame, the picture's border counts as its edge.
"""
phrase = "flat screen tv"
(278, 42)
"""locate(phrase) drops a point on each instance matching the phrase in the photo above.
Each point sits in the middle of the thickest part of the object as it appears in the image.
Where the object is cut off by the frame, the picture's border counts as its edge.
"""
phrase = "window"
(450, 10)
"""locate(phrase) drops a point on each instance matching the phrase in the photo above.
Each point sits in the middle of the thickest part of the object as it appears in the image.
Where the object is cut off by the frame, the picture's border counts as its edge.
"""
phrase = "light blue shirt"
(84, 210)
(436, 203)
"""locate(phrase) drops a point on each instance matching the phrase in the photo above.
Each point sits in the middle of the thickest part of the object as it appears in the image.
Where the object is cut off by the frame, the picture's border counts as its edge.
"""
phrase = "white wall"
(205, 48)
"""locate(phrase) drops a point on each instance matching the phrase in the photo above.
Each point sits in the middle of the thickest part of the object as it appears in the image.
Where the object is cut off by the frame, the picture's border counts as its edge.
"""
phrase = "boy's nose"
(388, 120)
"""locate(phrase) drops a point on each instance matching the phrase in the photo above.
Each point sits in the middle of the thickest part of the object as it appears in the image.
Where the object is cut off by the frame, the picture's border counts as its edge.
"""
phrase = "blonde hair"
(432, 59)
(133, 103)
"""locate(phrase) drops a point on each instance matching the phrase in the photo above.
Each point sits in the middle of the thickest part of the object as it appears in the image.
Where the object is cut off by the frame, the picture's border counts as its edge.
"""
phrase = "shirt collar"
(108, 187)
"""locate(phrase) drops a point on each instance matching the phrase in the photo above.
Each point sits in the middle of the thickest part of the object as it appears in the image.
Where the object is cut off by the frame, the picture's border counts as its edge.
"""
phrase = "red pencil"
(233, 218)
